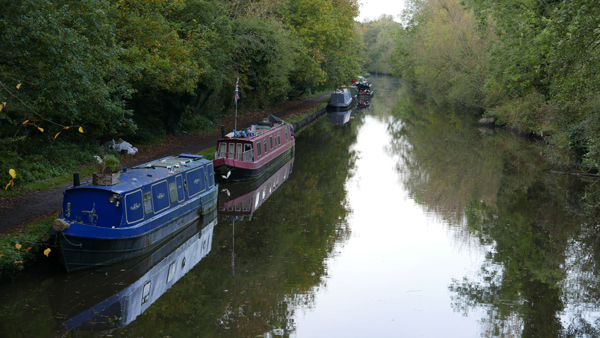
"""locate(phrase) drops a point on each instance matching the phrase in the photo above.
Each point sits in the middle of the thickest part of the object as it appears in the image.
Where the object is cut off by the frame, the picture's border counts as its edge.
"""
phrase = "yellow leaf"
(25, 121)
(12, 173)
(47, 252)
(8, 185)
(18, 246)
(18, 86)
(55, 136)
(81, 130)
(1, 106)
(41, 129)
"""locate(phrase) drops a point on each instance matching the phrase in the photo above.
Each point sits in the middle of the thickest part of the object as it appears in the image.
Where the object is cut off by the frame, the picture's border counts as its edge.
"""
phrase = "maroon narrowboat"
(248, 154)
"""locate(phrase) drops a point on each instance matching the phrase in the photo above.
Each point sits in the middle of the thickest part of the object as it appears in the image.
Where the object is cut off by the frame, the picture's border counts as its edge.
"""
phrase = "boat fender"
(59, 225)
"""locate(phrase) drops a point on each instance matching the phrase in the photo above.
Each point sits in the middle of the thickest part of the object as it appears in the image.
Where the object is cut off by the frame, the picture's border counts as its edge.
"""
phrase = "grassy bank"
(20, 248)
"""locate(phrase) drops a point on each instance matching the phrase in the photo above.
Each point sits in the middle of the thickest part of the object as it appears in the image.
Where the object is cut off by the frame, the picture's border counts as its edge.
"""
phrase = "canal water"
(401, 220)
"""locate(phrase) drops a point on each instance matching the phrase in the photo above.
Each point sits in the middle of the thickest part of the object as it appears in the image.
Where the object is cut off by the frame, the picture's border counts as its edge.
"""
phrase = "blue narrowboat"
(152, 202)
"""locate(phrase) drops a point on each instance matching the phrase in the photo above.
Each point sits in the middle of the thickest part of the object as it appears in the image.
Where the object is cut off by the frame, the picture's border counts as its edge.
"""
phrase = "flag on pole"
(237, 96)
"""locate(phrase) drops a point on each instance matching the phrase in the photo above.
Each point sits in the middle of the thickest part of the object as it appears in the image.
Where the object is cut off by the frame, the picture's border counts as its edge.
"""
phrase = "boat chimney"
(76, 179)
(222, 131)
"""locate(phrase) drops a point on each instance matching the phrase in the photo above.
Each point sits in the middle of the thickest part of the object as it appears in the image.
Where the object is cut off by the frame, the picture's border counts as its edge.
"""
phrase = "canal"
(404, 221)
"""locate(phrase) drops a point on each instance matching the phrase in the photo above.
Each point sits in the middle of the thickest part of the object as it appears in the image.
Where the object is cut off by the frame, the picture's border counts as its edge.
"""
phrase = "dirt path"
(19, 210)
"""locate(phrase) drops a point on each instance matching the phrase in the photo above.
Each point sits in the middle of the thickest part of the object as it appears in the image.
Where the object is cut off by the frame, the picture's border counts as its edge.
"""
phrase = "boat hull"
(80, 252)
(238, 174)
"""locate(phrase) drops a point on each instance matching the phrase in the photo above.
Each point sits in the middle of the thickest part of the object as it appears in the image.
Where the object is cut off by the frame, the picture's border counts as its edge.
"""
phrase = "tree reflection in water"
(539, 230)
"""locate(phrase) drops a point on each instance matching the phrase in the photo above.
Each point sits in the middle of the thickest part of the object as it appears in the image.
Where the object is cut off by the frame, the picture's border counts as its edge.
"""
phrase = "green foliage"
(65, 55)
(531, 63)
(111, 162)
(150, 68)
(35, 160)
(378, 37)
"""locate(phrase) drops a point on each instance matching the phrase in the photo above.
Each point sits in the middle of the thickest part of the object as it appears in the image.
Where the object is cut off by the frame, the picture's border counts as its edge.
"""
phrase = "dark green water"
(405, 221)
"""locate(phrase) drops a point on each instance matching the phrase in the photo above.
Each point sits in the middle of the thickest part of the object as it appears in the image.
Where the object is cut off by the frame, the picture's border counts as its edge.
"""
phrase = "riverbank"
(23, 233)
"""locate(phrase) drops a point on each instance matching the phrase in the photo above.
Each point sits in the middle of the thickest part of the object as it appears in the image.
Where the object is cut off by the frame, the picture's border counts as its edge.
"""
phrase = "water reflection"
(243, 199)
(340, 117)
(537, 229)
(128, 289)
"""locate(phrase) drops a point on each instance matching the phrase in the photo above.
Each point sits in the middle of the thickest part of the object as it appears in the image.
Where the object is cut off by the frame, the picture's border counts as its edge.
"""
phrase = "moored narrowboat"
(152, 202)
(249, 154)
(340, 100)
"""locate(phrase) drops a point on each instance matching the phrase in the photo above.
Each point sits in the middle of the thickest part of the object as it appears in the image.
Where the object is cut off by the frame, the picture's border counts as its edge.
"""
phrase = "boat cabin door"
(238, 151)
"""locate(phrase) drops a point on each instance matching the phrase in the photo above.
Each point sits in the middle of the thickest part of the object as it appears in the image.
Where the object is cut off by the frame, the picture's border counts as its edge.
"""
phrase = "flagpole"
(237, 96)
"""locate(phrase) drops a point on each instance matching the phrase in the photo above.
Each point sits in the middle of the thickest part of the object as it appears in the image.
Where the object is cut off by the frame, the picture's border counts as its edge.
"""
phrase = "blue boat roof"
(144, 174)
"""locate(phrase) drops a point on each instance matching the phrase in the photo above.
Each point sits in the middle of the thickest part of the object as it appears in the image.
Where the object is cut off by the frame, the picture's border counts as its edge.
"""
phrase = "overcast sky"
(372, 9)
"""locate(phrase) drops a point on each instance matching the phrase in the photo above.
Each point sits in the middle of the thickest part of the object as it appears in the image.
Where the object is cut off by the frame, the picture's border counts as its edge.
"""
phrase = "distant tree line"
(378, 37)
(148, 68)
(531, 64)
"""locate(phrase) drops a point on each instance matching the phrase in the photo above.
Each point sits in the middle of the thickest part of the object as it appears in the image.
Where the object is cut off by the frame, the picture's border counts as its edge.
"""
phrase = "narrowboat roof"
(256, 131)
(144, 174)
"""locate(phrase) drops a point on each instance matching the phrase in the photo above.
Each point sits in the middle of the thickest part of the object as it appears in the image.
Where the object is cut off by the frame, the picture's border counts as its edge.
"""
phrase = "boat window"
(171, 273)
(279, 138)
(148, 202)
(247, 147)
(222, 150)
(231, 150)
(265, 144)
(211, 174)
(271, 141)
(146, 292)
(239, 151)
(286, 137)
(258, 149)
(238, 207)
(173, 191)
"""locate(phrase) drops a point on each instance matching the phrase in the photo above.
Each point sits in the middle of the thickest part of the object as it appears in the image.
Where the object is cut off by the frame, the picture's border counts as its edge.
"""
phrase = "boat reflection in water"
(340, 117)
(112, 297)
(243, 200)
(362, 103)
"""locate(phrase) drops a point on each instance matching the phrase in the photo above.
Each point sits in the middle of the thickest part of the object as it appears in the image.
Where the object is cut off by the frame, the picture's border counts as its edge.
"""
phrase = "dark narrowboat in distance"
(340, 100)
(249, 154)
(100, 225)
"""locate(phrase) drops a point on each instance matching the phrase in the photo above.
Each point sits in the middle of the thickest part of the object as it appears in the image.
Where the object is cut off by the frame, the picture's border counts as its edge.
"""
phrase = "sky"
(372, 9)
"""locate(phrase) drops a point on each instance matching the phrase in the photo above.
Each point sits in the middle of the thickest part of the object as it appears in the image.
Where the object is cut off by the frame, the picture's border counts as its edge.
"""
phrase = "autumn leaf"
(25, 121)
(81, 130)
(41, 129)
(8, 185)
(18, 86)
(47, 252)
(65, 127)
(12, 173)
(18, 246)
(18, 262)
(28, 248)
(55, 136)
